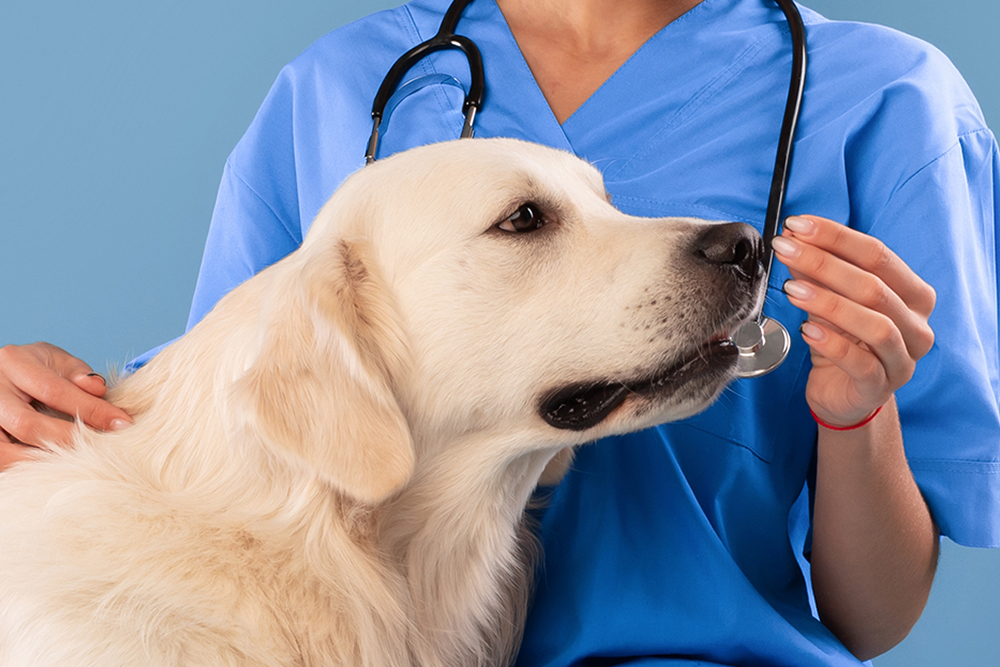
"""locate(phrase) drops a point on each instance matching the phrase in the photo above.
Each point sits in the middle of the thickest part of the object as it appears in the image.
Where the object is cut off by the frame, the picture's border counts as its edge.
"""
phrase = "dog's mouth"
(581, 406)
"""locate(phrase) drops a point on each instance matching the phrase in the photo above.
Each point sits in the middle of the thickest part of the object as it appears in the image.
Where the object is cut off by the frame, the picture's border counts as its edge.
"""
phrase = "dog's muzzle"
(735, 252)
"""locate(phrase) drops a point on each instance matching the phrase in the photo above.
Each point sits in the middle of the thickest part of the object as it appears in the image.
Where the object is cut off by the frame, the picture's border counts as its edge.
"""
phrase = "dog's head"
(490, 287)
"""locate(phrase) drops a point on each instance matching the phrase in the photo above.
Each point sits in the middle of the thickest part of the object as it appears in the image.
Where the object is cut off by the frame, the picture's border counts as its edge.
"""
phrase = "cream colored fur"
(331, 469)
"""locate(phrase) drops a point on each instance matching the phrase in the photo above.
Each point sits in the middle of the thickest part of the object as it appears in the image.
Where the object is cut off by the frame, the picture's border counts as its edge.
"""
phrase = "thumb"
(91, 382)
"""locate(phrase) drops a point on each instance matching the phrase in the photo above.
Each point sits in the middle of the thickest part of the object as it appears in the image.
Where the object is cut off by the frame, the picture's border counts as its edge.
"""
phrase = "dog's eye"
(526, 219)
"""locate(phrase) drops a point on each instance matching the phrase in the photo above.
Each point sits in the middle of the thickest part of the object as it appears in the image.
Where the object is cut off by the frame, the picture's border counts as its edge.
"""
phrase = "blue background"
(116, 118)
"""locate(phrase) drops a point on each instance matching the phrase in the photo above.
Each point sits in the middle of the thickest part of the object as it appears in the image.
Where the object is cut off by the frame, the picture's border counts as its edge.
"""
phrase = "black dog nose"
(732, 245)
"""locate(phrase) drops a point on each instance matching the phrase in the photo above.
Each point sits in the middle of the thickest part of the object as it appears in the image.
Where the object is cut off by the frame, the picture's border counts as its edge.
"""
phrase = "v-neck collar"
(687, 62)
(691, 14)
(650, 56)
(700, 13)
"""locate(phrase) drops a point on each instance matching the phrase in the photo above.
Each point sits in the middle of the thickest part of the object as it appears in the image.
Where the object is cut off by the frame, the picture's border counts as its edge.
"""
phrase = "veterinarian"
(826, 482)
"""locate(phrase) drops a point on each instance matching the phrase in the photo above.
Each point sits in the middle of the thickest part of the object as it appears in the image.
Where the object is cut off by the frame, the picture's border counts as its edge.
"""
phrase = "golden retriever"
(332, 468)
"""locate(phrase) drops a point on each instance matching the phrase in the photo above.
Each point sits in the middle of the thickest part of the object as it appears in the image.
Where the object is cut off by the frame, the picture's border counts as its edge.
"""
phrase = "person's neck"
(573, 46)
(591, 27)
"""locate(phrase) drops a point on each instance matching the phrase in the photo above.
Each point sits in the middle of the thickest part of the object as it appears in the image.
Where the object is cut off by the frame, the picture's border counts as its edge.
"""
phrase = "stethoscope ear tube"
(444, 39)
(764, 343)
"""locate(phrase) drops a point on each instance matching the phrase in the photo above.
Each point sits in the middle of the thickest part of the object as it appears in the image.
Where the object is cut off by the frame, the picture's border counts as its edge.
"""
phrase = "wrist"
(848, 427)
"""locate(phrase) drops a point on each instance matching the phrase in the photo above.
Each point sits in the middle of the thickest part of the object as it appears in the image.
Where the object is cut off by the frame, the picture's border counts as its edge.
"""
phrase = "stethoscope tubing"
(764, 343)
(789, 124)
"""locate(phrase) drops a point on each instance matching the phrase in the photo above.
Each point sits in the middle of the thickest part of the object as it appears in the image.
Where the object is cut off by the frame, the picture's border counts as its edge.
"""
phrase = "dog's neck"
(455, 534)
(452, 542)
(459, 531)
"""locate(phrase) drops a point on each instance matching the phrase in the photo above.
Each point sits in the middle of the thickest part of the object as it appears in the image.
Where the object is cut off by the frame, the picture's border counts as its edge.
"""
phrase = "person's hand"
(38, 375)
(868, 313)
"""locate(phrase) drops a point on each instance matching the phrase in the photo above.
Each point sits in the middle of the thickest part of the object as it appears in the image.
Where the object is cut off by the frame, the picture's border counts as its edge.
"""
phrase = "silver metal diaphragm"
(763, 345)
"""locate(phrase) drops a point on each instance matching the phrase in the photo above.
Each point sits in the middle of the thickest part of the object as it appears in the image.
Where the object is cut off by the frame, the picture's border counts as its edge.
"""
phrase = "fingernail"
(798, 290)
(784, 247)
(800, 225)
(99, 376)
(810, 330)
(119, 424)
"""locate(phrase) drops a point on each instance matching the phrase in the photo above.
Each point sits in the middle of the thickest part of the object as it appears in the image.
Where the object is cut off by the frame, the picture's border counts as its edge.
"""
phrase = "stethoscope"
(763, 342)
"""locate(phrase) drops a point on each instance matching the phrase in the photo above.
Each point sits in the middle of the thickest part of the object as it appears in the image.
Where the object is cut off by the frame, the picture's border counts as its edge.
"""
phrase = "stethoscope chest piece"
(763, 346)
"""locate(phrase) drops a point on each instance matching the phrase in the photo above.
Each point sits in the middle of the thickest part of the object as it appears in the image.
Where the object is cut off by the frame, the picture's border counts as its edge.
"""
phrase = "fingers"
(75, 370)
(92, 383)
(865, 273)
(23, 425)
(882, 361)
(50, 376)
(11, 453)
(868, 254)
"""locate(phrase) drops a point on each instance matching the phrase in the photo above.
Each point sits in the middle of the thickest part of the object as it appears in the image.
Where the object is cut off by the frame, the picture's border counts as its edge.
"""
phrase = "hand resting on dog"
(43, 374)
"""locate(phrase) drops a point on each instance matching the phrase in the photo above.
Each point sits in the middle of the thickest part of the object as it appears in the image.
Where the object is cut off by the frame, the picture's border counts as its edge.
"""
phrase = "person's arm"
(875, 544)
(45, 374)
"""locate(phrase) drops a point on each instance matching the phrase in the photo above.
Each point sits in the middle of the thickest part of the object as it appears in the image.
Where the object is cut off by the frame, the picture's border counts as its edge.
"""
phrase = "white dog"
(331, 469)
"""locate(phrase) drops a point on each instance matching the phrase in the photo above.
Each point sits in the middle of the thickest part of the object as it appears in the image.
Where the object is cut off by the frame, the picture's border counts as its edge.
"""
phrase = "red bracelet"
(846, 428)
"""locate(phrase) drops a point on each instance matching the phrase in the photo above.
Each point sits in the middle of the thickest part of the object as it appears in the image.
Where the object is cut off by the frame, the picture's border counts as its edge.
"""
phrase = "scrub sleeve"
(686, 543)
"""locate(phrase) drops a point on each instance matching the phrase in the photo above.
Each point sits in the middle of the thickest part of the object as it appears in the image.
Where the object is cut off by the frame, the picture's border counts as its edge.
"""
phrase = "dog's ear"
(322, 388)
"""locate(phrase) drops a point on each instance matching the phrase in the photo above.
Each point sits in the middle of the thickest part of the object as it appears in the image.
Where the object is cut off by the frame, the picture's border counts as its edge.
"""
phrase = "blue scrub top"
(684, 544)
